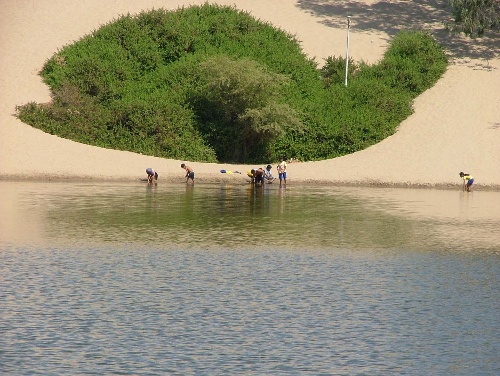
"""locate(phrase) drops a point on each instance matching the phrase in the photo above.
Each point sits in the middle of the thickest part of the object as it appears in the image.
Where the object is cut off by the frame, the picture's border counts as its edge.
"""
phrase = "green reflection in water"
(215, 216)
(230, 217)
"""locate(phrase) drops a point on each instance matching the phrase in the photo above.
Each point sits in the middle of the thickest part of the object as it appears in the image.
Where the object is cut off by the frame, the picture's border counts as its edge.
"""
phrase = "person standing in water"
(189, 172)
(468, 181)
(281, 167)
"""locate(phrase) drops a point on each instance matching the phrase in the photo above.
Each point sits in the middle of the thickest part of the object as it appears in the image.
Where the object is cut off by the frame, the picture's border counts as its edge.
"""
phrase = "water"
(223, 279)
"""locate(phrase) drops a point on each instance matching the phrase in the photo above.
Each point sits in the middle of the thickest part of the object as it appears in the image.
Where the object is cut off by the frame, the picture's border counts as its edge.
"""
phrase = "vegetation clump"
(211, 83)
(474, 17)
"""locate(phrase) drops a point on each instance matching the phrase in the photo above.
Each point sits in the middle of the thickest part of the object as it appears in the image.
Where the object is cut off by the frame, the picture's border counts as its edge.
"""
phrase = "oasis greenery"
(474, 17)
(211, 83)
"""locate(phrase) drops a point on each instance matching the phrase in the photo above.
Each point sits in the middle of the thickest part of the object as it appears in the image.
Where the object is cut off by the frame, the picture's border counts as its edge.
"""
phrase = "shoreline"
(213, 178)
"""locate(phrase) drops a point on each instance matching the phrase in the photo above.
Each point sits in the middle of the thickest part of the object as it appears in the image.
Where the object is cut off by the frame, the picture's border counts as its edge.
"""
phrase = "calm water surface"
(224, 279)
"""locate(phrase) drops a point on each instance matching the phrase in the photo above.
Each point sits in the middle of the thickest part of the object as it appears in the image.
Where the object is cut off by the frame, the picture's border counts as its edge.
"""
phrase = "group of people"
(261, 176)
(153, 175)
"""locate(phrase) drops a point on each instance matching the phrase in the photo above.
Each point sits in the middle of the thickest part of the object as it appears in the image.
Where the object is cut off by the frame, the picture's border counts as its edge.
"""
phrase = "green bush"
(333, 72)
(474, 17)
(414, 62)
(210, 83)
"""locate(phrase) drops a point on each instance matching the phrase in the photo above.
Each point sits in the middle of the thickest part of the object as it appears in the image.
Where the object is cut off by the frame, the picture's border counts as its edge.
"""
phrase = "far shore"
(237, 179)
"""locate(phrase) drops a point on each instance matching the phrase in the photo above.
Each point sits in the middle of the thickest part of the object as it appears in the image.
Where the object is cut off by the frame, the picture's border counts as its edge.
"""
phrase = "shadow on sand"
(393, 16)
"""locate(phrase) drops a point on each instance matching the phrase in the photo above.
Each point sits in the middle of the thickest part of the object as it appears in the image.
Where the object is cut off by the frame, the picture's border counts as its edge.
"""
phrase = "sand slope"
(455, 127)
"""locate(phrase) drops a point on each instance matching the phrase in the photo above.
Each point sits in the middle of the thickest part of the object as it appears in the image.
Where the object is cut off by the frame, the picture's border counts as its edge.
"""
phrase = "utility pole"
(347, 50)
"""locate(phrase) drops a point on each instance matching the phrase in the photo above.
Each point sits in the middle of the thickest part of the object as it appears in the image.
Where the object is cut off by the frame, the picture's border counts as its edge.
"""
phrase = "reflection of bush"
(243, 217)
(210, 83)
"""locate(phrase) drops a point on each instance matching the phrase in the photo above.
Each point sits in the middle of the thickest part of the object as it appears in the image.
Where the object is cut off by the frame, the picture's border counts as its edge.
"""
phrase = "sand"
(455, 126)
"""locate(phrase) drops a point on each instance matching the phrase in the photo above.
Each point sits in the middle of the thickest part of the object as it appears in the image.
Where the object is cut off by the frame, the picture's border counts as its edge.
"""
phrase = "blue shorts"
(470, 182)
(282, 175)
(191, 175)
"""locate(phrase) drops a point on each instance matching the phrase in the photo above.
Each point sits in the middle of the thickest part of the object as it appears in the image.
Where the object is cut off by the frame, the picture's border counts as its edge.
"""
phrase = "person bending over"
(250, 174)
(468, 181)
(152, 175)
(189, 173)
(258, 176)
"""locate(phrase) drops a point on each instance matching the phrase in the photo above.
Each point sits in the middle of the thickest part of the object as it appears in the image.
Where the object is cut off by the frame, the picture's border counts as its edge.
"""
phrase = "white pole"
(347, 49)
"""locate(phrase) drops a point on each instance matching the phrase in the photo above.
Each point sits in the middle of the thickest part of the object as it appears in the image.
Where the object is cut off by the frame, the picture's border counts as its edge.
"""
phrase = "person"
(189, 172)
(251, 175)
(152, 175)
(468, 181)
(258, 176)
(282, 170)
(268, 175)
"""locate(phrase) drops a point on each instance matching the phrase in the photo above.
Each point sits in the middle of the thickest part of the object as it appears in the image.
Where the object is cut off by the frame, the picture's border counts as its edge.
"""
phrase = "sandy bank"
(455, 127)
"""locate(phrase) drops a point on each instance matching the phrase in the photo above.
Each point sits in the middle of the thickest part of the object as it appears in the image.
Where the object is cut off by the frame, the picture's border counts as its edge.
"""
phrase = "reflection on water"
(223, 279)
(235, 217)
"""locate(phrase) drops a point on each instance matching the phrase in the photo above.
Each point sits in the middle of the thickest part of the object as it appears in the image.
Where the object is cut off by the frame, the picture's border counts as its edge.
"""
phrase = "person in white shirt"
(268, 175)
(282, 170)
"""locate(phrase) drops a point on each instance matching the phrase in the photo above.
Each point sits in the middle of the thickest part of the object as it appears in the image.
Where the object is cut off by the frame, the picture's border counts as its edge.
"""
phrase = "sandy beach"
(455, 126)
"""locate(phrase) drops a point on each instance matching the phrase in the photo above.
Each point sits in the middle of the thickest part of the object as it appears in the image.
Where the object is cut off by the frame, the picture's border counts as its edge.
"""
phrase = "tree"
(263, 125)
(243, 107)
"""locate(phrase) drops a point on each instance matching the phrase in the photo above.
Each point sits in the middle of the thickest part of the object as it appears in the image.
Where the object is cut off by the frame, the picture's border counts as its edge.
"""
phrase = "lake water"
(104, 278)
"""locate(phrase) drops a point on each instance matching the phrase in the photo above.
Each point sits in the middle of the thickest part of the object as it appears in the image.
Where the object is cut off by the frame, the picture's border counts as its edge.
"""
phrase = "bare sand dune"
(455, 127)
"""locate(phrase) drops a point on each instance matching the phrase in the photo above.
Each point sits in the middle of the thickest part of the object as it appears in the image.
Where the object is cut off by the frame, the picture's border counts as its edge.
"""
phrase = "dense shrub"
(413, 62)
(210, 83)
(474, 17)
(333, 72)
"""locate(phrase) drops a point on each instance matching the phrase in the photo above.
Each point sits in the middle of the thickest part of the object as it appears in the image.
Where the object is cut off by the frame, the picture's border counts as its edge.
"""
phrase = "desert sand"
(455, 126)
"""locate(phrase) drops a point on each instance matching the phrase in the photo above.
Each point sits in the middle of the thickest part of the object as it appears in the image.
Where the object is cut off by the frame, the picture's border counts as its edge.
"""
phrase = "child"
(189, 172)
(282, 170)
(152, 175)
(250, 174)
(468, 181)
(268, 176)
(259, 176)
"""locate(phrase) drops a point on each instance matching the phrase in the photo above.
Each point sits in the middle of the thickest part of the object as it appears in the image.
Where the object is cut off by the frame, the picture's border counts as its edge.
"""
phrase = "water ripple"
(133, 311)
